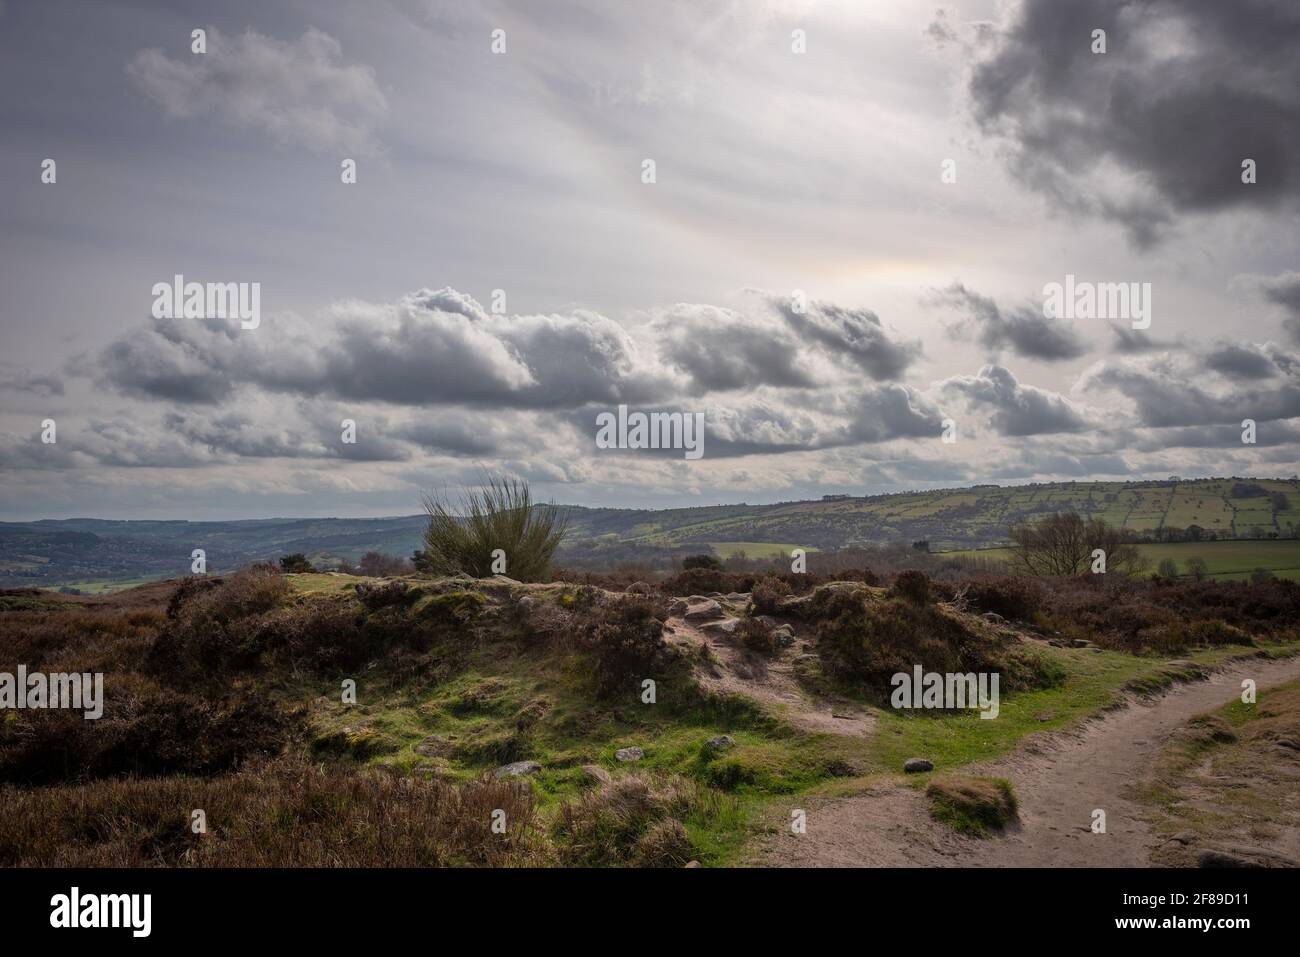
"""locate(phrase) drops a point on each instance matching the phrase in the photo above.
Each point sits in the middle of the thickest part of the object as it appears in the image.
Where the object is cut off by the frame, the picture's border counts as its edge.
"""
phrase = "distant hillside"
(965, 518)
(85, 551)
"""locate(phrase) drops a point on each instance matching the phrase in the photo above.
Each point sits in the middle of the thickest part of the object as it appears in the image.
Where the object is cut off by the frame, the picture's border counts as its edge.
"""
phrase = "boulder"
(725, 626)
(706, 610)
(629, 754)
(639, 588)
(595, 774)
(917, 765)
(719, 742)
(517, 769)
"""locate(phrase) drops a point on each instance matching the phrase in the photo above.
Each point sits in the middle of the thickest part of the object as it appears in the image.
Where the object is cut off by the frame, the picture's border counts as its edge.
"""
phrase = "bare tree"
(1065, 543)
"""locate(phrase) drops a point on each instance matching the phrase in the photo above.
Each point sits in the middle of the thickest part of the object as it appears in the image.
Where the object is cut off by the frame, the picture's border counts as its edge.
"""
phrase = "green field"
(755, 549)
(1227, 561)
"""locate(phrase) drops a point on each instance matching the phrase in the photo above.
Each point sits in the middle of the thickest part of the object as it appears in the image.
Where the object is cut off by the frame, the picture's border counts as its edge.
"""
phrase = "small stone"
(992, 616)
(1186, 837)
(692, 864)
(629, 754)
(718, 742)
(917, 765)
(678, 607)
(595, 774)
(517, 769)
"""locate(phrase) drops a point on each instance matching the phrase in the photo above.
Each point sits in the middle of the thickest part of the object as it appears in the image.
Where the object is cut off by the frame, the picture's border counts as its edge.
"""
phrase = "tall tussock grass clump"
(635, 820)
(461, 539)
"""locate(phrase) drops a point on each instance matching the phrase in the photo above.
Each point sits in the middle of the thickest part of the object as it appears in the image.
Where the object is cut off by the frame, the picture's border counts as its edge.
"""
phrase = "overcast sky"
(775, 171)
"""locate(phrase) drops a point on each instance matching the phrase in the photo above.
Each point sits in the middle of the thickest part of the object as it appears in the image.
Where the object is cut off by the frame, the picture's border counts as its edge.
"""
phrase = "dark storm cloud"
(853, 337)
(1175, 391)
(1184, 93)
(720, 349)
(1023, 330)
(1240, 362)
(428, 347)
(1015, 408)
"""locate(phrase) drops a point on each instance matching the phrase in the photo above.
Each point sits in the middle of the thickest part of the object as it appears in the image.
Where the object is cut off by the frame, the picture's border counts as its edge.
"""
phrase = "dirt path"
(1059, 778)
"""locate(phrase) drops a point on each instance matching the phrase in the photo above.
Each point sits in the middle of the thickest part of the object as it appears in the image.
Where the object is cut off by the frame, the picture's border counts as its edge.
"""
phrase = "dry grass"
(284, 813)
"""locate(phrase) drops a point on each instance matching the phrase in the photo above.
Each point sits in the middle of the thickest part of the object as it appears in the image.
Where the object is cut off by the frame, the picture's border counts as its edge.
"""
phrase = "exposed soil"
(771, 682)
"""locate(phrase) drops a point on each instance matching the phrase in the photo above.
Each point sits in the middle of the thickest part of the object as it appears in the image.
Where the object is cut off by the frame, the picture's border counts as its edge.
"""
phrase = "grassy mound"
(972, 805)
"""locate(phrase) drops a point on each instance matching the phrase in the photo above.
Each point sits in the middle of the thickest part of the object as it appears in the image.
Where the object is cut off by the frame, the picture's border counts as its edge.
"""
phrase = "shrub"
(162, 733)
(1261, 576)
(710, 562)
(500, 515)
(1012, 598)
(295, 564)
(767, 595)
(756, 636)
(284, 813)
(912, 585)
(1168, 568)
(625, 639)
(379, 565)
(868, 640)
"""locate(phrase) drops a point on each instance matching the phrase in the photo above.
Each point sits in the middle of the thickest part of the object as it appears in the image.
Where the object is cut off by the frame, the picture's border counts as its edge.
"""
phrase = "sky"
(841, 259)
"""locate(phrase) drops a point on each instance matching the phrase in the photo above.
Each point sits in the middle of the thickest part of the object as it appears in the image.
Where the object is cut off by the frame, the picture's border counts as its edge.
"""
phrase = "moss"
(458, 605)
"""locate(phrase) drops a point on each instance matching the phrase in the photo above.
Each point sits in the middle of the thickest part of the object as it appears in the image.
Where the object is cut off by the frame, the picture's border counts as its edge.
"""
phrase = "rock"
(629, 754)
(769, 621)
(783, 635)
(1081, 643)
(805, 659)
(692, 864)
(517, 769)
(917, 765)
(738, 596)
(1186, 837)
(434, 746)
(992, 616)
(596, 775)
(639, 588)
(1287, 743)
(1213, 858)
(726, 626)
(678, 607)
(718, 742)
(707, 610)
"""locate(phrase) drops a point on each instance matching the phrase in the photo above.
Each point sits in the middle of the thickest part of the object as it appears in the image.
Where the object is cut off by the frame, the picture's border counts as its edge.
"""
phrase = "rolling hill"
(89, 552)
